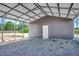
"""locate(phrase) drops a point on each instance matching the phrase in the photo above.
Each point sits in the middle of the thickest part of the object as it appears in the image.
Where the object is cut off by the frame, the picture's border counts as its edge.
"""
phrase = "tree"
(76, 30)
(18, 26)
(9, 25)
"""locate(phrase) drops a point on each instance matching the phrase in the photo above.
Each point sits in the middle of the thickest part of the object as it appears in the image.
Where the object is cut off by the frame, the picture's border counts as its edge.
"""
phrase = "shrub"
(24, 30)
(76, 30)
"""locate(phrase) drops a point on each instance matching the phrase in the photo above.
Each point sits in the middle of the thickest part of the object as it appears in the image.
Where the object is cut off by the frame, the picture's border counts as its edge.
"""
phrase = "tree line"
(10, 26)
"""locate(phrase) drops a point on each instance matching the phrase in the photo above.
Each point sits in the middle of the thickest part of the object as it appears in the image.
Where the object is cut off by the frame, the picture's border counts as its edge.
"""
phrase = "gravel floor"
(41, 47)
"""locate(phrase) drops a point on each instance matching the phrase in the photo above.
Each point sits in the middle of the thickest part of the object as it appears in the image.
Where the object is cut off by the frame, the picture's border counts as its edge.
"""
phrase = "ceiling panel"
(41, 14)
(29, 5)
(10, 16)
(76, 11)
(37, 11)
(63, 15)
(65, 5)
(24, 16)
(42, 4)
(11, 4)
(1, 13)
(25, 20)
(52, 4)
(49, 13)
(32, 19)
(3, 8)
(56, 14)
(70, 16)
(15, 13)
(28, 21)
(46, 9)
(76, 5)
(21, 19)
(36, 17)
(71, 12)
(64, 11)
(22, 9)
(54, 10)
(30, 14)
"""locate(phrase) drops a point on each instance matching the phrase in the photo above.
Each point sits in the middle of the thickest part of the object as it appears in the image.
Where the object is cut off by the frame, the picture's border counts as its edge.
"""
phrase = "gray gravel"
(41, 47)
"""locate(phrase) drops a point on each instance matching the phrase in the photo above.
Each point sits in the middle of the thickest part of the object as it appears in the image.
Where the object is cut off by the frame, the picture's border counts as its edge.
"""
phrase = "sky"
(76, 22)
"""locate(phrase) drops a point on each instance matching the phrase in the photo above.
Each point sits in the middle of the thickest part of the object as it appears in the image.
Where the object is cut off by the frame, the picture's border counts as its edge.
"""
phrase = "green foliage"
(24, 29)
(20, 27)
(17, 27)
(9, 25)
(76, 30)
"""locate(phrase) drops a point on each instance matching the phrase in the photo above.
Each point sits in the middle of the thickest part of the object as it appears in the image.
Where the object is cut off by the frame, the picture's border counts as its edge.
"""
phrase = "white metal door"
(45, 31)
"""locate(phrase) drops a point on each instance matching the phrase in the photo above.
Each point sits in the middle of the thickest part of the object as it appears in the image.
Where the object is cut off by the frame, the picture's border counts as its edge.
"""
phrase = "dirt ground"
(41, 47)
(11, 36)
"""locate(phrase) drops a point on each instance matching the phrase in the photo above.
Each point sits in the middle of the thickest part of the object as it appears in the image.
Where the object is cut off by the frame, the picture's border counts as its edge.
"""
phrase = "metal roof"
(32, 11)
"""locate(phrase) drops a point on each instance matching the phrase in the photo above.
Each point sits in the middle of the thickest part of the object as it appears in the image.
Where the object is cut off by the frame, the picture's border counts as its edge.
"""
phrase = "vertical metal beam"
(2, 29)
(69, 10)
(58, 8)
(3, 19)
(14, 29)
(76, 28)
(22, 30)
(49, 8)
(21, 23)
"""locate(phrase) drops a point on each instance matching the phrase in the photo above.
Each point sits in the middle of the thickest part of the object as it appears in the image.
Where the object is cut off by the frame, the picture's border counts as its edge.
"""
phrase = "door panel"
(45, 31)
